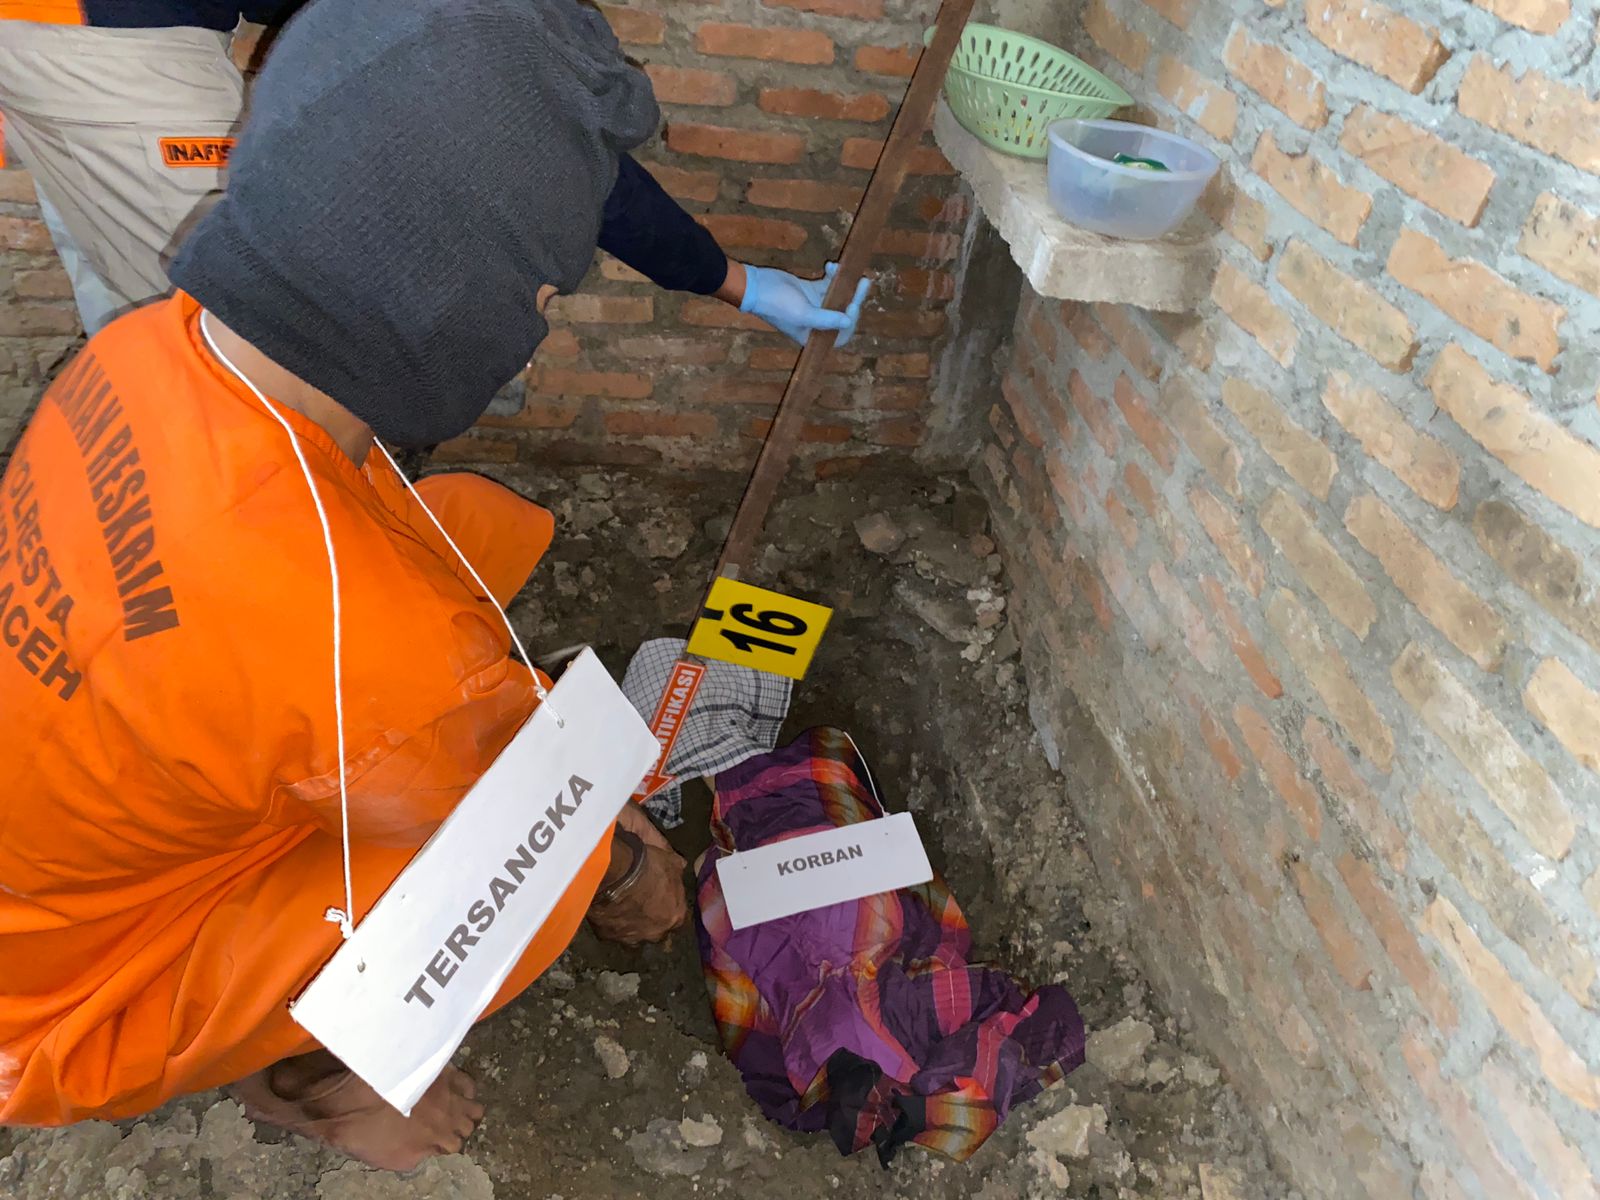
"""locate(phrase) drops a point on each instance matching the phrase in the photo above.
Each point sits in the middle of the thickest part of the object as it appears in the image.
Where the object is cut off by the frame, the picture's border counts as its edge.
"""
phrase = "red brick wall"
(775, 112)
(1315, 568)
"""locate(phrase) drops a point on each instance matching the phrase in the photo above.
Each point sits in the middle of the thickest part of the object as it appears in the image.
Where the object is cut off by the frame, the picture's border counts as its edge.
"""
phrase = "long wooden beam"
(777, 451)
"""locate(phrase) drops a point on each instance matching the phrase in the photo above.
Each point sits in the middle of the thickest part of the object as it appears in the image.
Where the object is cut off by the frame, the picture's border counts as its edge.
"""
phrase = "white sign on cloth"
(820, 869)
(400, 995)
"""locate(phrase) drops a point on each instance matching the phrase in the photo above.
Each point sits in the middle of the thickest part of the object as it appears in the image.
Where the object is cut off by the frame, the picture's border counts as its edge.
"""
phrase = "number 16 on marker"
(755, 628)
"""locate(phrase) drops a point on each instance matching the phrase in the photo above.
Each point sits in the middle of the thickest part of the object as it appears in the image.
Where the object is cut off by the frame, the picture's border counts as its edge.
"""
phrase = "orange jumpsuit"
(169, 807)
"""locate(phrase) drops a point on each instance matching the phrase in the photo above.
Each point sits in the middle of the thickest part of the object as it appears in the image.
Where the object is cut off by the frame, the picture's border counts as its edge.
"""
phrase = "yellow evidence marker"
(766, 631)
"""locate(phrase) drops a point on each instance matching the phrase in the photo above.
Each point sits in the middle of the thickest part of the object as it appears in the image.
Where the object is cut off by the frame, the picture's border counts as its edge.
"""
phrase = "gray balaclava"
(409, 175)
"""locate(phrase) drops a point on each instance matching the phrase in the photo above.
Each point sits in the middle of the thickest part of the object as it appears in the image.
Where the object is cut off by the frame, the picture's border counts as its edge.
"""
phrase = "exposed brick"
(1222, 527)
(50, 284)
(906, 432)
(586, 309)
(1506, 423)
(740, 145)
(1208, 443)
(1087, 584)
(1249, 307)
(16, 187)
(37, 320)
(620, 272)
(1513, 904)
(1307, 461)
(919, 244)
(1217, 740)
(669, 351)
(805, 46)
(914, 323)
(1153, 435)
(827, 106)
(861, 10)
(1473, 1141)
(538, 414)
(1321, 663)
(1344, 950)
(1134, 343)
(1568, 709)
(1354, 310)
(1343, 783)
(1419, 163)
(1281, 80)
(1313, 187)
(1316, 561)
(738, 389)
(862, 154)
(472, 448)
(1516, 783)
(1519, 1015)
(1190, 335)
(1188, 618)
(1011, 389)
(1150, 500)
(689, 85)
(25, 234)
(1561, 121)
(1244, 218)
(1179, 12)
(1548, 571)
(717, 315)
(1279, 770)
(1095, 414)
(1497, 311)
(1378, 38)
(611, 385)
(1399, 942)
(1557, 1160)
(1121, 519)
(904, 366)
(1088, 334)
(765, 233)
(687, 185)
(1207, 103)
(1564, 240)
(660, 424)
(1453, 608)
(1541, 16)
(1421, 463)
(898, 61)
(1241, 640)
(924, 284)
(1128, 46)
(1133, 598)
(812, 431)
(634, 26)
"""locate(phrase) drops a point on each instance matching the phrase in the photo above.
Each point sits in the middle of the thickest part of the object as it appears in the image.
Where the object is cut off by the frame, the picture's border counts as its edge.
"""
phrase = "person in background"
(170, 757)
(126, 112)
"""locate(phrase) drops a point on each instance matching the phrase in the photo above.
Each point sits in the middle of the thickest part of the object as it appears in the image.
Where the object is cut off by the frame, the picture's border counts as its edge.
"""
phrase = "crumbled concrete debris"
(615, 988)
(455, 1177)
(1159, 1073)
(1052, 1168)
(950, 616)
(1120, 1050)
(666, 533)
(613, 1057)
(1067, 1133)
(693, 1073)
(879, 533)
(704, 1133)
(659, 1148)
(559, 979)
(1199, 1072)
(1221, 1183)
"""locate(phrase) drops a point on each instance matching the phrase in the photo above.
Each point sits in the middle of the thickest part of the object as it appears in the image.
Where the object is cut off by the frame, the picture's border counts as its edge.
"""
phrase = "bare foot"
(318, 1097)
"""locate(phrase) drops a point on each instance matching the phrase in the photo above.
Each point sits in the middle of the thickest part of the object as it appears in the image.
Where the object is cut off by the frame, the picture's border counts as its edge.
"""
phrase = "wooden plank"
(894, 163)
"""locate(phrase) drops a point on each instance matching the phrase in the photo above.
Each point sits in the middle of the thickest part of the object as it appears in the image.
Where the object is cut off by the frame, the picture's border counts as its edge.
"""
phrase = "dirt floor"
(605, 1080)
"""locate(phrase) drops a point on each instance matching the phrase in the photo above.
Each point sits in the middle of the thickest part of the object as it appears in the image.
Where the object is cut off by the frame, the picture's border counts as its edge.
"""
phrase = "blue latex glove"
(793, 306)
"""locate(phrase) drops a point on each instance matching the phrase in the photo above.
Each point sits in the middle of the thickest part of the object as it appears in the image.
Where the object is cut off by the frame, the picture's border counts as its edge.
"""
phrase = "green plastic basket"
(1006, 88)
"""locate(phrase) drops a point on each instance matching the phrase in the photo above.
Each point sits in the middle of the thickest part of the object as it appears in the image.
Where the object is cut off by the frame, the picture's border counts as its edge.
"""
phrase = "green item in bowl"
(1141, 164)
(1006, 88)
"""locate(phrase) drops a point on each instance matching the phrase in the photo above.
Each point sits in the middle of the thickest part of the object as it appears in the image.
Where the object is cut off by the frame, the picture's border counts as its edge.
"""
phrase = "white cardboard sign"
(399, 996)
(820, 869)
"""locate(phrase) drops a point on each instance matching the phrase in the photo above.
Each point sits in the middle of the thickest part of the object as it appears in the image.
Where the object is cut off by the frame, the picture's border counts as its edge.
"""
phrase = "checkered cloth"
(865, 1018)
(736, 715)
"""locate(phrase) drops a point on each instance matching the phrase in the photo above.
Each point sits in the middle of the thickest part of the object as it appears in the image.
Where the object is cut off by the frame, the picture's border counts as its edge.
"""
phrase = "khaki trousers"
(126, 133)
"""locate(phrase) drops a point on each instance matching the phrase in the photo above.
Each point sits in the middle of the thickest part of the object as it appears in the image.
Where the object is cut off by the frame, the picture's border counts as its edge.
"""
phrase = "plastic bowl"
(1090, 190)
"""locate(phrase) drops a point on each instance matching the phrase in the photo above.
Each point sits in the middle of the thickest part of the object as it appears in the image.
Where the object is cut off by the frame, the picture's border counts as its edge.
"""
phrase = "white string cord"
(539, 688)
(345, 917)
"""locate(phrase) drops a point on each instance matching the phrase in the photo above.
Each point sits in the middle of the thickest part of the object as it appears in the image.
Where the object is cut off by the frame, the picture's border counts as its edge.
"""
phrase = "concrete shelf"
(1062, 261)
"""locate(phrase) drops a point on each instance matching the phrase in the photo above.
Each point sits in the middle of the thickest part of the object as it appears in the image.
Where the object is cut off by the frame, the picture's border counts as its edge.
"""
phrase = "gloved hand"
(793, 306)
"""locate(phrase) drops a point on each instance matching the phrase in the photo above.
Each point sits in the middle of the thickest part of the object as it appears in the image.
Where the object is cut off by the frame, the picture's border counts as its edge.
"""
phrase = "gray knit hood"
(409, 175)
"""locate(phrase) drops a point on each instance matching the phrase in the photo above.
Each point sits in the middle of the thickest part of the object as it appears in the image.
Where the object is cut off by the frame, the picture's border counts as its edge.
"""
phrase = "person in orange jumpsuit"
(169, 783)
